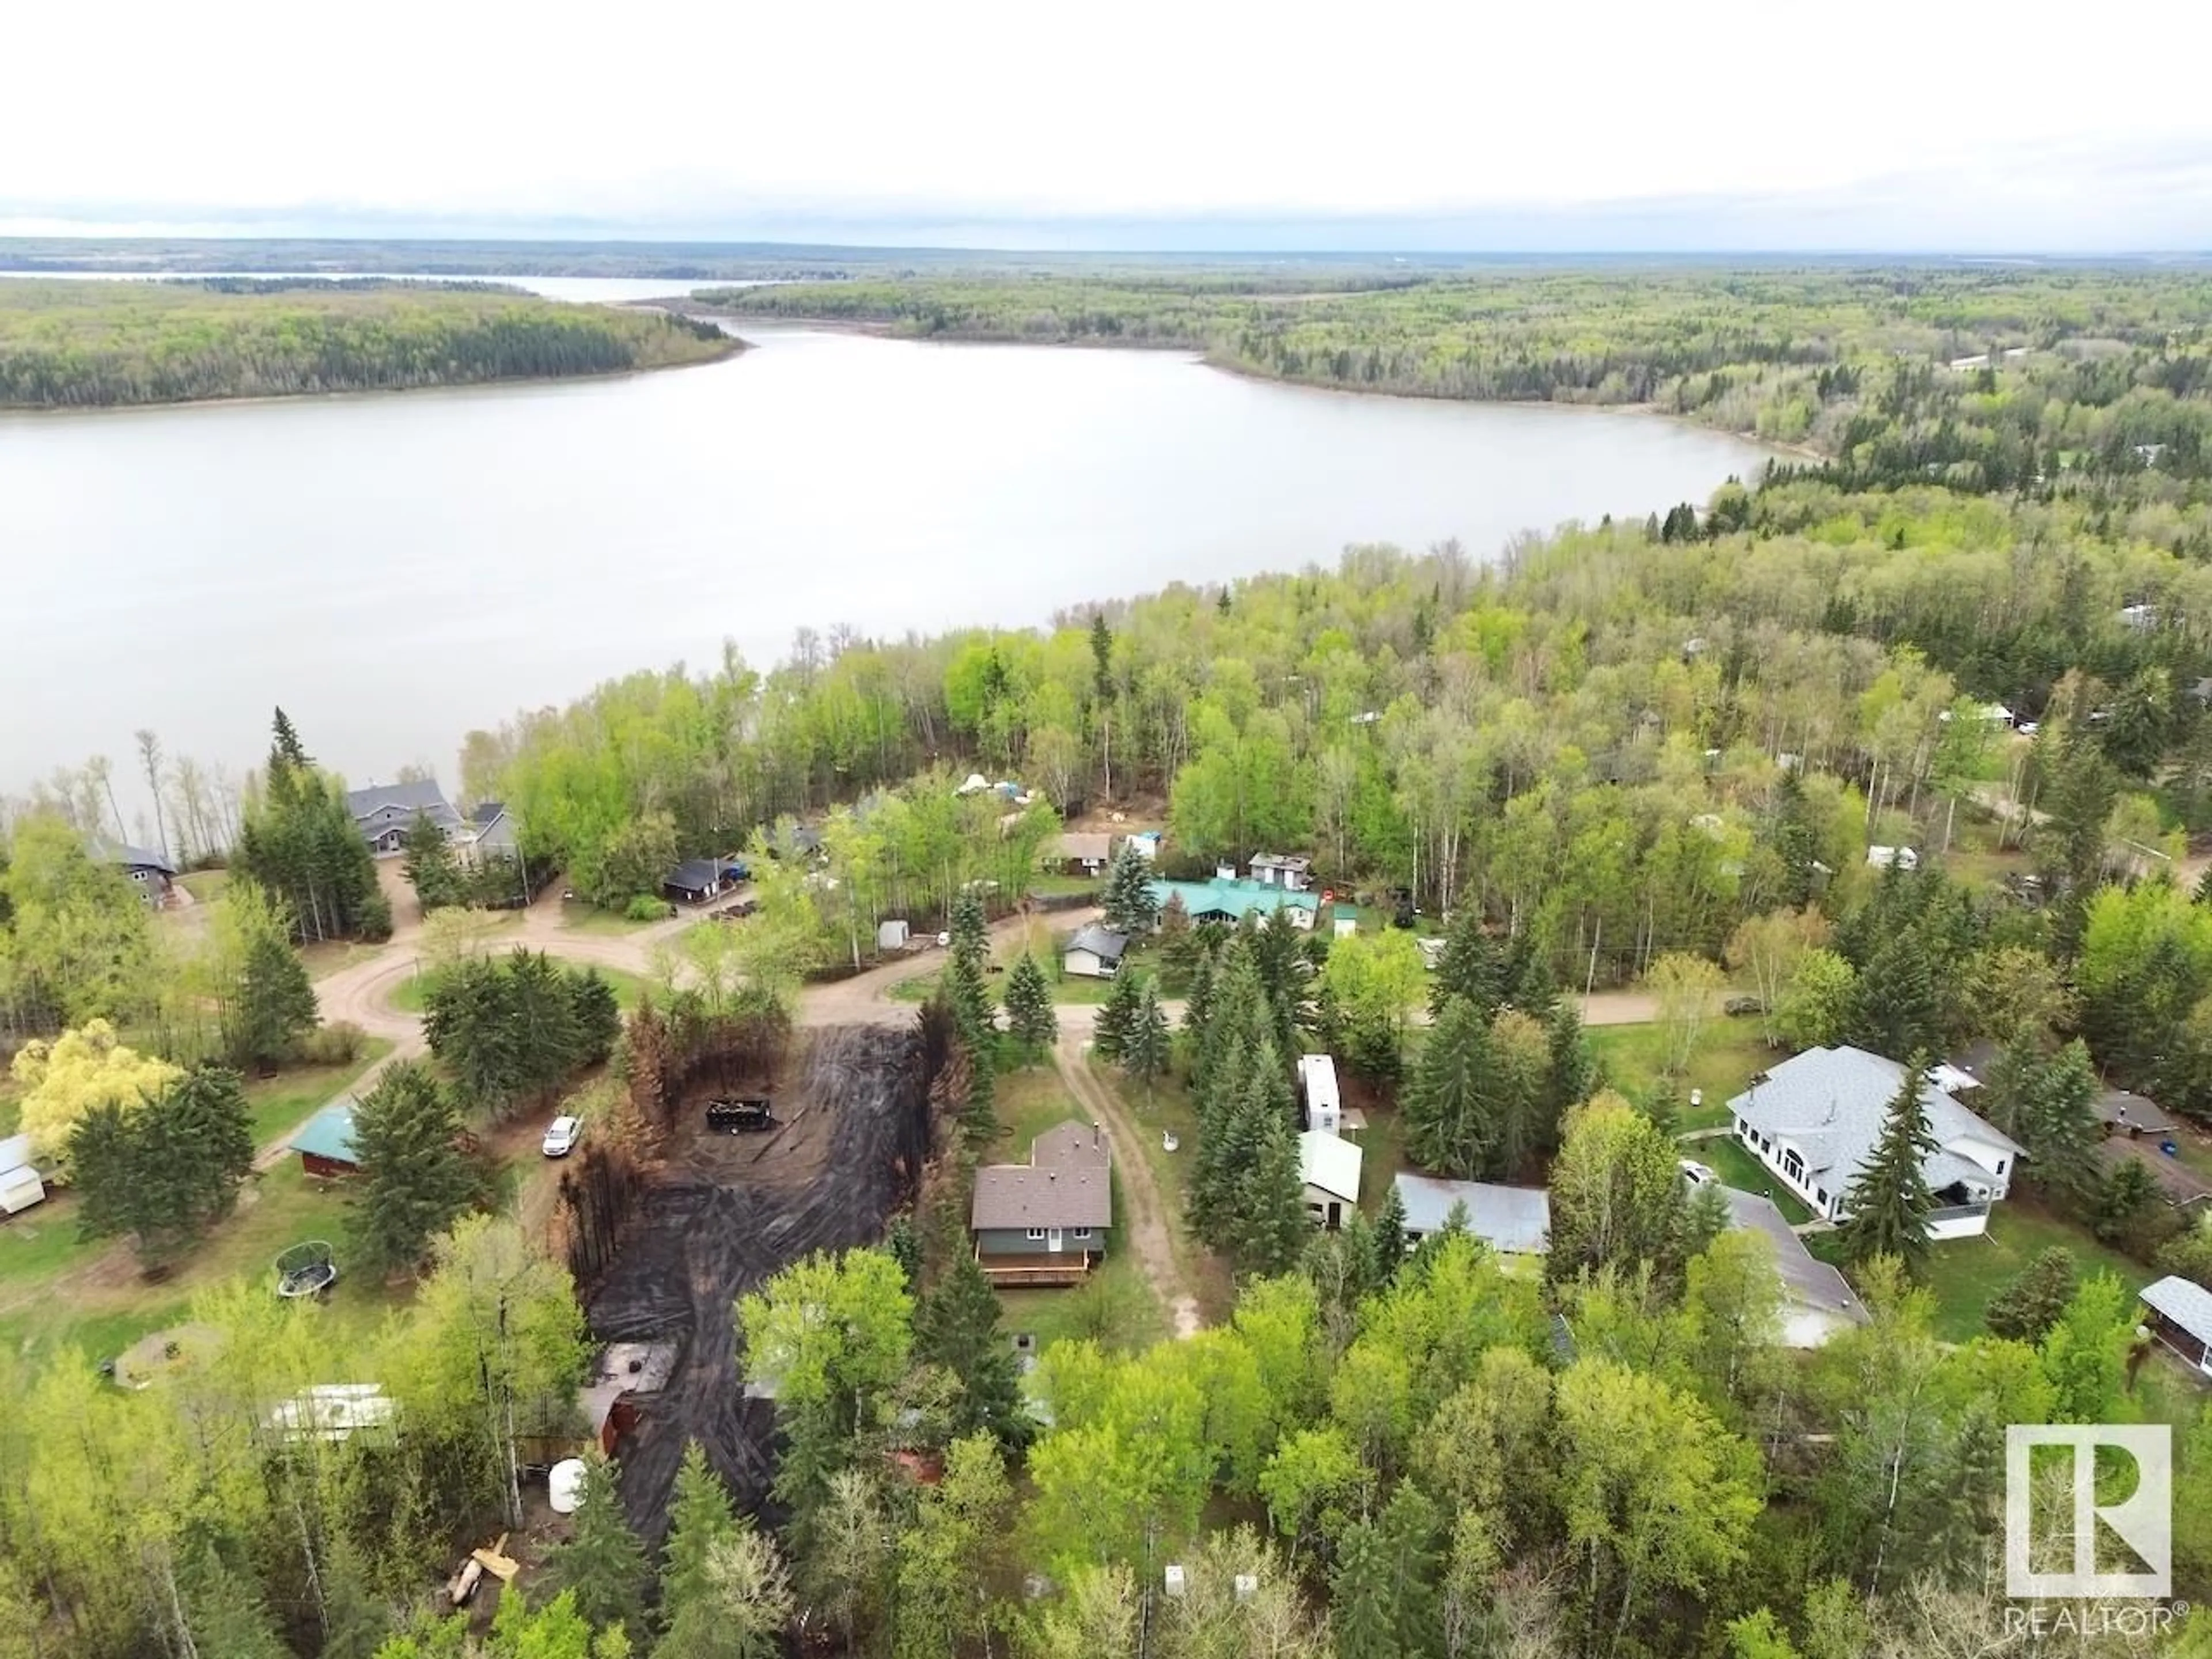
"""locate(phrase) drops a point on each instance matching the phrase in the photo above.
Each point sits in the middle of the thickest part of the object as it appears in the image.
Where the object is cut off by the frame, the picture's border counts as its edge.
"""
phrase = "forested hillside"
(87, 345)
(1981, 378)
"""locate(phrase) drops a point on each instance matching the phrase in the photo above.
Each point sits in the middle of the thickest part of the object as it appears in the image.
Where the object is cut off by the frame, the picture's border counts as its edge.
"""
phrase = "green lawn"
(413, 994)
(1382, 1155)
(283, 1102)
(1115, 1307)
(1739, 1168)
(1966, 1274)
(1729, 1051)
(1029, 1102)
(1065, 887)
(578, 917)
(205, 886)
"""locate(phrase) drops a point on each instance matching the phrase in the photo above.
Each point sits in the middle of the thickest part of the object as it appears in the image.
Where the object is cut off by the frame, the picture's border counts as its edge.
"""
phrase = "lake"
(395, 569)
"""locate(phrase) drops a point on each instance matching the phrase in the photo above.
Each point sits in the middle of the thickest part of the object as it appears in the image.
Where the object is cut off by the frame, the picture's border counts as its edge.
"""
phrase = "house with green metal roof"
(1230, 902)
(325, 1141)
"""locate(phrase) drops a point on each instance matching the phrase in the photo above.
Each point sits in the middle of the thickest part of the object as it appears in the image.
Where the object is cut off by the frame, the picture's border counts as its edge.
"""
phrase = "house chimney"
(1098, 1131)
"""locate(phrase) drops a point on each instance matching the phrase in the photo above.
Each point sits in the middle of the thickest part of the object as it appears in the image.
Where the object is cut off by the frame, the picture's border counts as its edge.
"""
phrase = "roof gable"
(1067, 1183)
(328, 1133)
(1330, 1163)
(1102, 942)
(422, 795)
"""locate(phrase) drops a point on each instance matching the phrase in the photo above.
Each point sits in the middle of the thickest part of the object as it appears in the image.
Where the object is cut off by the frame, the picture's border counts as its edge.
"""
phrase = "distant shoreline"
(879, 330)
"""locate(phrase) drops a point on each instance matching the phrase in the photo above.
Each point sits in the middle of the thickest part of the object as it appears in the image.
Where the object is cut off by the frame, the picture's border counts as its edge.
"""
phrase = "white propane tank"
(564, 1484)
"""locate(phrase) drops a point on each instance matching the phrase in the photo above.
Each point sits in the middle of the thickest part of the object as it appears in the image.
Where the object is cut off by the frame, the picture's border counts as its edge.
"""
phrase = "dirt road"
(1144, 1225)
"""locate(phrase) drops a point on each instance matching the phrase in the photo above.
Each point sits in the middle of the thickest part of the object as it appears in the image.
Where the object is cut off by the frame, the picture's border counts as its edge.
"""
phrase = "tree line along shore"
(98, 344)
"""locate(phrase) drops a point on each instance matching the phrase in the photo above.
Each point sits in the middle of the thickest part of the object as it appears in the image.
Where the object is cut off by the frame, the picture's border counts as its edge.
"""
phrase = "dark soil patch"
(721, 1214)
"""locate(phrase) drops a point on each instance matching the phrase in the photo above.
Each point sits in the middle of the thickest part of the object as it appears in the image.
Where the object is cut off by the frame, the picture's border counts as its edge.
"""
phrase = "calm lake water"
(396, 569)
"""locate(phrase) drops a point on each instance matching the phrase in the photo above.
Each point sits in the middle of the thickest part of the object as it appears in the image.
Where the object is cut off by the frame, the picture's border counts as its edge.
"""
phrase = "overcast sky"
(1969, 124)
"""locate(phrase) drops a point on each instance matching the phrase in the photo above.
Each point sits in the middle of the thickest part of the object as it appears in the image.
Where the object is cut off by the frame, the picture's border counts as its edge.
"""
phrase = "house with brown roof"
(1045, 1222)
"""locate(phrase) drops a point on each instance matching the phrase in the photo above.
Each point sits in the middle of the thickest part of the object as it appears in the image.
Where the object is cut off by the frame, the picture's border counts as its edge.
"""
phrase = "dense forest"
(1981, 378)
(88, 344)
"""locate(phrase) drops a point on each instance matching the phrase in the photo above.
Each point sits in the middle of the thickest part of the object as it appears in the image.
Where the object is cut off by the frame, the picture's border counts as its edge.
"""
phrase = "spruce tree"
(700, 1518)
(1271, 1228)
(598, 1014)
(276, 1000)
(429, 865)
(1469, 967)
(979, 1115)
(226, 1612)
(1889, 1199)
(1145, 1054)
(1447, 1126)
(1117, 1016)
(956, 1325)
(1389, 1236)
(163, 1171)
(1028, 1003)
(1129, 904)
(416, 1179)
(602, 1564)
(1898, 1012)
(2034, 1301)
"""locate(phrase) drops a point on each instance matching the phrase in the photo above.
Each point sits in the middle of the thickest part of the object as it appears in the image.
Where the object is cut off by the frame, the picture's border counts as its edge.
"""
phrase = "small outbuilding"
(1291, 873)
(1511, 1220)
(1082, 853)
(1095, 952)
(694, 881)
(1328, 1167)
(625, 1372)
(325, 1141)
(2179, 1312)
(892, 936)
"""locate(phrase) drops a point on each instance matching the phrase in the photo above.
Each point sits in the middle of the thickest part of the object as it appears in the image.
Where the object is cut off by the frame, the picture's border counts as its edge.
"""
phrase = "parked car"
(562, 1135)
(732, 1118)
(1736, 1008)
(1697, 1174)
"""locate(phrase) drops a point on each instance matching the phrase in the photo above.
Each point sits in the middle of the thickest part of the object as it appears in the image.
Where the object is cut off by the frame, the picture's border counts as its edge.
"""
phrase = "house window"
(2001, 1163)
(1036, 1235)
(1821, 1193)
(1078, 1232)
(1792, 1165)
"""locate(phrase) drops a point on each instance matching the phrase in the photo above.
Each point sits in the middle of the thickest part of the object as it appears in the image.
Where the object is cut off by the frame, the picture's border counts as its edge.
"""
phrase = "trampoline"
(306, 1269)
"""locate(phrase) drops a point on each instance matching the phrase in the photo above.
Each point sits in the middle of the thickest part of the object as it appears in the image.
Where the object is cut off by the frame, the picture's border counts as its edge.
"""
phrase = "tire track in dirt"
(1145, 1224)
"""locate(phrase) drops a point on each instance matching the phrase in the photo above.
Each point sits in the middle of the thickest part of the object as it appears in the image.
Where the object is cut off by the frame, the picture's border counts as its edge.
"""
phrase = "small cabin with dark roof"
(1045, 1222)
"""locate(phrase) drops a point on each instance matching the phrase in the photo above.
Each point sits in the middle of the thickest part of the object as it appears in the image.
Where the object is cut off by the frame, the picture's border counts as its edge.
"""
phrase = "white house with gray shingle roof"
(1815, 1120)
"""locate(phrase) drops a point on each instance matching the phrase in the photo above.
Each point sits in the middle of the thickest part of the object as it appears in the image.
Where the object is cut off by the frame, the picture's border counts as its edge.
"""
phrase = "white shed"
(1328, 1165)
(890, 936)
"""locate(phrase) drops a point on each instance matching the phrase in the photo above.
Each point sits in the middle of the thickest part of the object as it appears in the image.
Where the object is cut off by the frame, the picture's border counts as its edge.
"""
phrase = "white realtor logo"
(2143, 1521)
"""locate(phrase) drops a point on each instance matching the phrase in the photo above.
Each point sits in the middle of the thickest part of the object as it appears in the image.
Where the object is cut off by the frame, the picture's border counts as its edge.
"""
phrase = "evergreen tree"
(226, 1612)
(2034, 1301)
(979, 1116)
(956, 1325)
(1389, 1236)
(1117, 1016)
(969, 927)
(1181, 944)
(1448, 1127)
(1028, 1003)
(1898, 1012)
(1130, 905)
(601, 1563)
(1470, 967)
(298, 842)
(274, 1000)
(1572, 1077)
(429, 867)
(1270, 1228)
(165, 1170)
(701, 1519)
(598, 1014)
(415, 1178)
(966, 975)
(1889, 1201)
(1146, 1051)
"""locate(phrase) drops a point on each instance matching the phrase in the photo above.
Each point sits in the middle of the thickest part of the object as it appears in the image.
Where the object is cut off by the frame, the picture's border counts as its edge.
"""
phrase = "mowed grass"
(412, 995)
(1966, 1274)
(281, 1104)
(205, 886)
(1737, 1168)
(1043, 940)
(1728, 1052)
(58, 1290)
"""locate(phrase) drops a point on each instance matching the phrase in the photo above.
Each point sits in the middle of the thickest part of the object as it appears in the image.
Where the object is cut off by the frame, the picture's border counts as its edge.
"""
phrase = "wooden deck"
(1025, 1272)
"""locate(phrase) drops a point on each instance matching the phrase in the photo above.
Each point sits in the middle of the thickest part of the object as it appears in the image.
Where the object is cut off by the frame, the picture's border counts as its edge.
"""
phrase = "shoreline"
(737, 347)
(879, 330)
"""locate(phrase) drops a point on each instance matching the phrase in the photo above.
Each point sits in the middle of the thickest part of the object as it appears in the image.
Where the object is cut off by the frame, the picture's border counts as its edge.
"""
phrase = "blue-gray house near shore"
(1045, 1222)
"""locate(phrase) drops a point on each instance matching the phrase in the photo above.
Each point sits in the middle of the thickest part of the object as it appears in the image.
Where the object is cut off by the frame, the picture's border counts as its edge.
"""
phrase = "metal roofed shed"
(325, 1141)
(1512, 1220)
(625, 1370)
(2181, 1317)
(1818, 1300)
(332, 1410)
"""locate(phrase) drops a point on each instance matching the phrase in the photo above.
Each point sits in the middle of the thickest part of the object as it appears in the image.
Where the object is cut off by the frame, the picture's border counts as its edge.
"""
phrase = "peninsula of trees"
(1979, 379)
(88, 344)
